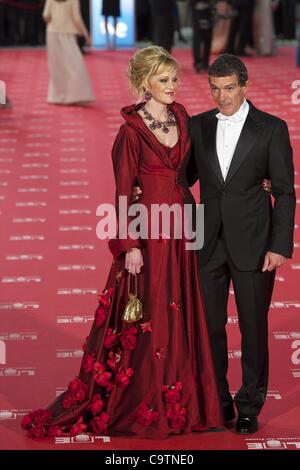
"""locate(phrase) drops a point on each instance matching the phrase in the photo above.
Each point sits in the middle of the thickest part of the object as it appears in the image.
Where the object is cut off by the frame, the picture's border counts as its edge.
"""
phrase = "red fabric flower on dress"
(97, 404)
(147, 326)
(145, 415)
(78, 427)
(103, 307)
(123, 376)
(68, 401)
(77, 389)
(100, 316)
(172, 394)
(175, 306)
(128, 338)
(88, 363)
(111, 338)
(105, 298)
(76, 393)
(99, 424)
(102, 377)
(113, 359)
(37, 431)
(27, 421)
(36, 418)
(55, 431)
(176, 416)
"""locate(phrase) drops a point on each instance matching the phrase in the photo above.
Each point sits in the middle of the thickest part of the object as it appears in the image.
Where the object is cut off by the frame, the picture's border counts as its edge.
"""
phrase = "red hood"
(133, 119)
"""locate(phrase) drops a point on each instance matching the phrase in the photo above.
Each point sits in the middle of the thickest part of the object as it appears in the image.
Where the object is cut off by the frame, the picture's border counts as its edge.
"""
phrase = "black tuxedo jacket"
(252, 226)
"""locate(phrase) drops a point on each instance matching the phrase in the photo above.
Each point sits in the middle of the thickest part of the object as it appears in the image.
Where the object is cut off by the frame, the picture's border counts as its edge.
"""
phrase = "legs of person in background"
(114, 36)
(202, 38)
(239, 33)
(111, 39)
(106, 31)
(163, 34)
(6, 105)
(177, 26)
(196, 42)
(233, 30)
(2, 24)
(246, 15)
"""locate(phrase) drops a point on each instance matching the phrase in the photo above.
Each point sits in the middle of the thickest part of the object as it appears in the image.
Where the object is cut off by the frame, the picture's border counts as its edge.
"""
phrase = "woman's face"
(163, 86)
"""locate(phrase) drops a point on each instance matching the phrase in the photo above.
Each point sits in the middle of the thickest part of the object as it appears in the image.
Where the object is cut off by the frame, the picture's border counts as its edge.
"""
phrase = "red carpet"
(55, 170)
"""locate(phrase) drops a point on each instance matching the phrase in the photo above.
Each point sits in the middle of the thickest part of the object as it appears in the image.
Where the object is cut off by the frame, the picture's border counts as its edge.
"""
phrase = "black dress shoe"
(246, 424)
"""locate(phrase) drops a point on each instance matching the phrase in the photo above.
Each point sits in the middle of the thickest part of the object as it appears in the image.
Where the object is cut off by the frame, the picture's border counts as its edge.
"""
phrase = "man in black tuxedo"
(234, 148)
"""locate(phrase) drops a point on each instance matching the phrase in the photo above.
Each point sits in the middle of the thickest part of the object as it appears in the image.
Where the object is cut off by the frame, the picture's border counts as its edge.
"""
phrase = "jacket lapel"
(249, 134)
(209, 128)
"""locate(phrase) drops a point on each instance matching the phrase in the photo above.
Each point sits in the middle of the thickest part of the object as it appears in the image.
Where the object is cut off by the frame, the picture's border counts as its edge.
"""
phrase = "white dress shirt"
(229, 129)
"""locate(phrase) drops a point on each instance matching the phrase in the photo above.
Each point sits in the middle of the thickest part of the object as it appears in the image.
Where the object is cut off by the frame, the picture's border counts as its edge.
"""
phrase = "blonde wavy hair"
(147, 62)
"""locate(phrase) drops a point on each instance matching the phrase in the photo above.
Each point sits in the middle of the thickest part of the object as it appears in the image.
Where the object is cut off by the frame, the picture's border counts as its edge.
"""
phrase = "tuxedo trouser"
(240, 27)
(163, 29)
(253, 292)
(202, 37)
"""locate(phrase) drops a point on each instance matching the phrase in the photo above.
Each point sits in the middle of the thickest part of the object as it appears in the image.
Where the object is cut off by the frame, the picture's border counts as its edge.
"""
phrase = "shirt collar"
(239, 116)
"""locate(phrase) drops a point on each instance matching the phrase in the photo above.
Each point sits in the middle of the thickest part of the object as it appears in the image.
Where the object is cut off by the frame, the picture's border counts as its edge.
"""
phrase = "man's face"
(227, 93)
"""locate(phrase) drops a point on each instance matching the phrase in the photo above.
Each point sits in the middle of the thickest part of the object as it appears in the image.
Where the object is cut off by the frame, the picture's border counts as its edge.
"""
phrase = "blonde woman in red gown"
(153, 378)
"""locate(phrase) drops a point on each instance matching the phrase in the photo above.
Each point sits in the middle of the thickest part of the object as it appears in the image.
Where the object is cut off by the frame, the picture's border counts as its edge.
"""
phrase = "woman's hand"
(134, 261)
(136, 193)
(267, 185)
(88, 41)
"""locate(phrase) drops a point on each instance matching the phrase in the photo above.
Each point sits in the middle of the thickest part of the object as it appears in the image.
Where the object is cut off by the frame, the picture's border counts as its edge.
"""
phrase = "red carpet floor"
(55, 170)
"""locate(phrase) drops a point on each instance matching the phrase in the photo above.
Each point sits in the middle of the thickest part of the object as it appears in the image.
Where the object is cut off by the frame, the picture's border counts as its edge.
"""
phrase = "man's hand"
(273, 261)
(134, 261)
(136, 193)
(267, 186)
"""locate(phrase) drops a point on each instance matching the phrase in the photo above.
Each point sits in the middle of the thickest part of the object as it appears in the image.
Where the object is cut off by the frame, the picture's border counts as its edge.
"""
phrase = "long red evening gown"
(153, 378)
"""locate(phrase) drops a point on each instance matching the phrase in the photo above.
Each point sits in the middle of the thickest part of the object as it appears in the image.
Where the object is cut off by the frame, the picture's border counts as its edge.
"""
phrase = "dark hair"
(229, 64)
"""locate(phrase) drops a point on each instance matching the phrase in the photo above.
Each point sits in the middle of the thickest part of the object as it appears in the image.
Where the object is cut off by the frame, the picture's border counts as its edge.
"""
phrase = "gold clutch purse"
(134, 309)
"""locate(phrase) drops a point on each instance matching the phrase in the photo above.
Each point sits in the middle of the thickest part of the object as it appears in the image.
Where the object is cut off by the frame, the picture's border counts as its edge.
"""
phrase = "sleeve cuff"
(118, 247)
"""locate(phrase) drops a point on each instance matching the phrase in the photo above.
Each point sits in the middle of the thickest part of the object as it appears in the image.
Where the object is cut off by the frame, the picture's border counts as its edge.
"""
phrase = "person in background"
(30, 16)
(264, 36)
(202, 18)
(143, 20)
(85, 12)
(240, 28)
(2, 23)
(177, 23)
(69, 79)
(111, 8)
(163, 23)
(221, 27)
